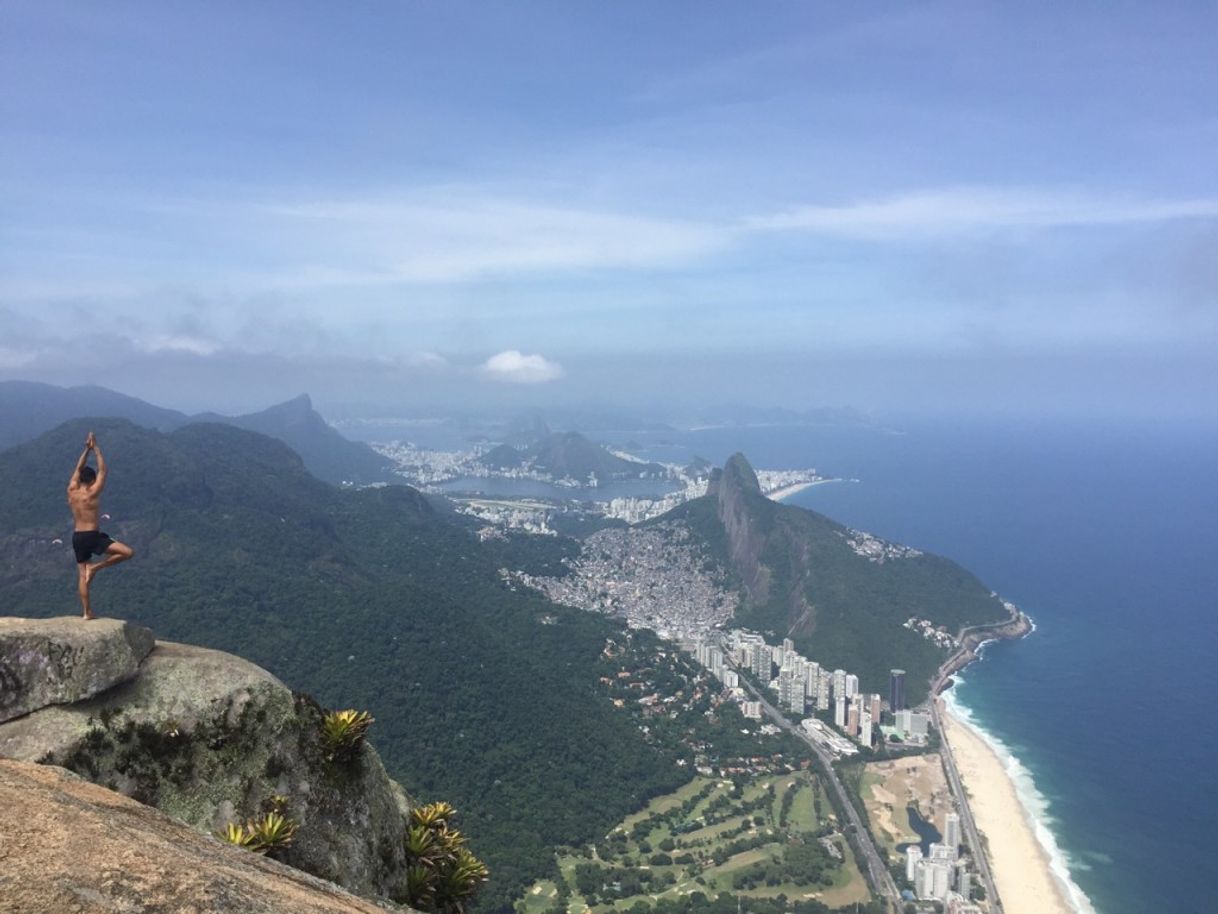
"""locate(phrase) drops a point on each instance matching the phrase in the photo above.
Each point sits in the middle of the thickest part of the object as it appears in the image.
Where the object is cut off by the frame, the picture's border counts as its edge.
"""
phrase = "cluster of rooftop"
(803, 685)
(654, 577)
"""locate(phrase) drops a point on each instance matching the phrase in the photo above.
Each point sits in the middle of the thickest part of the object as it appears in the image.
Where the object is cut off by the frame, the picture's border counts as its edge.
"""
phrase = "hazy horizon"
(945, 208)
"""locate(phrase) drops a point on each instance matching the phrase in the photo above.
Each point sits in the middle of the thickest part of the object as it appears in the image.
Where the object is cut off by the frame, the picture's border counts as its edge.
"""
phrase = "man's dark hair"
(87, 475)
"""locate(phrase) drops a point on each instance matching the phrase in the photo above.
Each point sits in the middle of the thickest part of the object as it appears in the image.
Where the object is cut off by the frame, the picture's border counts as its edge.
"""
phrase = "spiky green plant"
(272, 832)
(237, 833)
(342, 732)
(443, 876)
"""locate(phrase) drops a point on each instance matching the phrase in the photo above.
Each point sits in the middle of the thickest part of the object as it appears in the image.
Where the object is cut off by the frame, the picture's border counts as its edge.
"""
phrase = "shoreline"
(1029, 869)
(795, 488)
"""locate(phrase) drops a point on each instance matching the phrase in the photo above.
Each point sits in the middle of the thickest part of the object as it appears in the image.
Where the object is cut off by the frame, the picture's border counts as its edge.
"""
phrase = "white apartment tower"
(852, 685)
(913, 854)
(951, 831)
(839, 683)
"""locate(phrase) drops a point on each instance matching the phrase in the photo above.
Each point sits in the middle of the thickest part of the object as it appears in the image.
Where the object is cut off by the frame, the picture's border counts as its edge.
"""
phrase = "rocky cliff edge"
(71, 847)
(203, 736)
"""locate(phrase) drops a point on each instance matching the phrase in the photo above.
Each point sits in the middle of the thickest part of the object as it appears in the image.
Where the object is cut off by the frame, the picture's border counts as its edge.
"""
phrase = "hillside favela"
(582, 458)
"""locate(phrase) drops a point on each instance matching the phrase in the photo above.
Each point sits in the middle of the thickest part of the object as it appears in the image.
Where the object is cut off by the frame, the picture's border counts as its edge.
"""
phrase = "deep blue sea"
(1106, 534)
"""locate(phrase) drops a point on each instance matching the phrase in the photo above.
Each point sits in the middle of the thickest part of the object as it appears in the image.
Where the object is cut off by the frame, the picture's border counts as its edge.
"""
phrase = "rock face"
(57, 661)
(71, 846)
(209, 739)
(744, 512)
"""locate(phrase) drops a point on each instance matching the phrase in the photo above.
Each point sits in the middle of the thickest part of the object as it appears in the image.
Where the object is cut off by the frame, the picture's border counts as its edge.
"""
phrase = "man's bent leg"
(116, 552)
(82, 586)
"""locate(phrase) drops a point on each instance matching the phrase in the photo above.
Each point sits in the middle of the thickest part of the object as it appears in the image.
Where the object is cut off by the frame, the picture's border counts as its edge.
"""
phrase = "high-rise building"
(811, 678)
(903, 725)
(865, 727)
(942, 881)
(839, 713)
(791, 692)
(964, 880)
(876, 707)
(731, 679)
(760, 662)
(951, 831)
(942, 852)
(924, 880)
(896, 690)
(839, 683)
(788, 644)
(852, 720)
(823, 689)
(913, 854)
(852, 685)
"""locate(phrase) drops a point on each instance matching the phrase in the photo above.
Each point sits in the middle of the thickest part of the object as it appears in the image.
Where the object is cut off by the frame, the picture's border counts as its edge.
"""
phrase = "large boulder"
(211, 739)
(58, 661)
(71, 846)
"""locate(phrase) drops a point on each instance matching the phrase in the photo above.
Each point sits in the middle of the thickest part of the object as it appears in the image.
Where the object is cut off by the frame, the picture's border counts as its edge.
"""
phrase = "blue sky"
(947, 205)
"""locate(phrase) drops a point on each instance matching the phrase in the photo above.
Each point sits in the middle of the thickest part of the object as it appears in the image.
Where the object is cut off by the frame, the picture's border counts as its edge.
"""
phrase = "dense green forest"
(484, 695)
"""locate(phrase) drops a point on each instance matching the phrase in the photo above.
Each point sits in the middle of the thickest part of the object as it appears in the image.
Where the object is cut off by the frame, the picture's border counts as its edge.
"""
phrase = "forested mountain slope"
(840, 595)
(484, 696)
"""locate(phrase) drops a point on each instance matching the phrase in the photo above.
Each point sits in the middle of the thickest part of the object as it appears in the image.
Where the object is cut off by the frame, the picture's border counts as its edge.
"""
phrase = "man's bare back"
(84, 498)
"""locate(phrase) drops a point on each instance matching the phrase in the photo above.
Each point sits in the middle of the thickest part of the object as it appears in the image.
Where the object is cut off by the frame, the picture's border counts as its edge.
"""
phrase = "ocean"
(1106, 534)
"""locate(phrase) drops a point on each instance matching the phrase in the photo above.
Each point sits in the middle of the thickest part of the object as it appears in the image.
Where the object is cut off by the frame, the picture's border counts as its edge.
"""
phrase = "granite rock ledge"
(57, 661)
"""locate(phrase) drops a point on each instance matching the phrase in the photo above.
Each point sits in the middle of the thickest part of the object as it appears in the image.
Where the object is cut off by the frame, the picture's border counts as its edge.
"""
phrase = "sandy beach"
(795, 488)
(1021, 867)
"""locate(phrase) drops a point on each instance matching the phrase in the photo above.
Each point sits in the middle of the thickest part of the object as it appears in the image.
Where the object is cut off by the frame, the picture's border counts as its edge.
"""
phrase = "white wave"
(1035, 806)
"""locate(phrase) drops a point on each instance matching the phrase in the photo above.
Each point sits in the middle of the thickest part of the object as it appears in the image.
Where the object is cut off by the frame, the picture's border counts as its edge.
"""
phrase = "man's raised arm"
(101, 462)
(84, 455)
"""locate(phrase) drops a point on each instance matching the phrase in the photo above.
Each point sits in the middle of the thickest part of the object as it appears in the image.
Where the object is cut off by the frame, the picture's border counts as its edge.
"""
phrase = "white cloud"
(963, 210)
(165, 342)
(514, 367)
(435, 238)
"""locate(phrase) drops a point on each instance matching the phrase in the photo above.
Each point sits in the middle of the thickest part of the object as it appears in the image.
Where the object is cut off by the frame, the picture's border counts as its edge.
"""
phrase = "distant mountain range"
(28, 409)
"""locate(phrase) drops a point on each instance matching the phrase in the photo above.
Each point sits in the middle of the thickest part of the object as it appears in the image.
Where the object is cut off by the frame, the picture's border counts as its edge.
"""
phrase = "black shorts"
(88, 543)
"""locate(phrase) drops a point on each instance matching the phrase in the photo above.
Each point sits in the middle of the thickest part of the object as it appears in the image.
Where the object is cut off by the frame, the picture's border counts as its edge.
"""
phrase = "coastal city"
(469, 477)
(833, 712)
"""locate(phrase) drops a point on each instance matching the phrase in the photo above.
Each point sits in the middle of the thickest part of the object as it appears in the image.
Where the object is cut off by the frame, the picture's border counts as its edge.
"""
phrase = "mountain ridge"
(29, 409)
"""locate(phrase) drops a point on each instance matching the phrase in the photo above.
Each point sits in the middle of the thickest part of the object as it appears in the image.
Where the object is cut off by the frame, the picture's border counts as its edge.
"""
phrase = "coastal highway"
(872, 863)
(953, 779)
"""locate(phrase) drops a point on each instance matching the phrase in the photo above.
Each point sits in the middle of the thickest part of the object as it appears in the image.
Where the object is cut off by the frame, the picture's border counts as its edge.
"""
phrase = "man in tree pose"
(84, 498)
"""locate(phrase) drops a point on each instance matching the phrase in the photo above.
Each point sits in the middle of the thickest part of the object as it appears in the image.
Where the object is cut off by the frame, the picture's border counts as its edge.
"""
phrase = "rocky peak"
(744, 512)
(203, 736)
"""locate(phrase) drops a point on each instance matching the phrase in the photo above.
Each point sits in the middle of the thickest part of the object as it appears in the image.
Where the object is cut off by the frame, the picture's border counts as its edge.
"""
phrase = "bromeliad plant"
(342, 732)
(443, 876)
(270, 833)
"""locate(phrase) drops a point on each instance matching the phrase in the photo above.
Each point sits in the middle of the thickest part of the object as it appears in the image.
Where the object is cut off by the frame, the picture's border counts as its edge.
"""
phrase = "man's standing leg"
(82, 585)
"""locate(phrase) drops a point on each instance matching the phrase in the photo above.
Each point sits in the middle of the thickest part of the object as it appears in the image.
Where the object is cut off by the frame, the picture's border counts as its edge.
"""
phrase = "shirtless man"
(84, 498)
